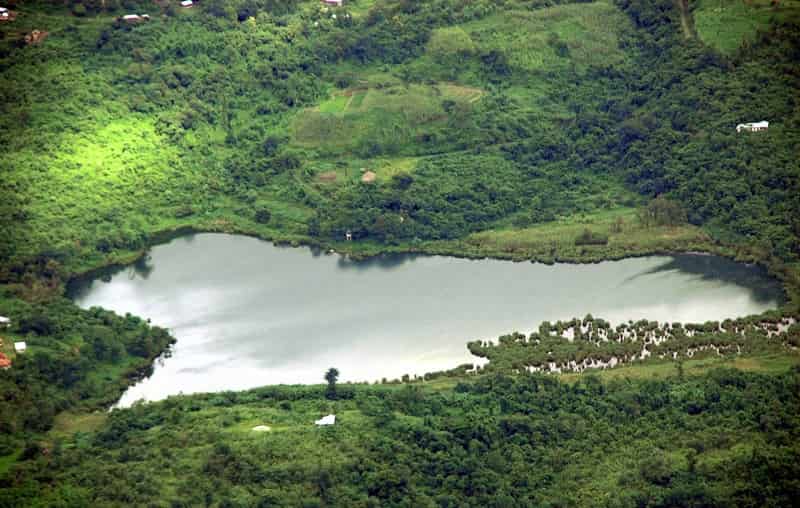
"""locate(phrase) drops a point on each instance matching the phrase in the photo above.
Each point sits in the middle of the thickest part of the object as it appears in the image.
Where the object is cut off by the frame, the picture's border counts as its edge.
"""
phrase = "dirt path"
(687, 21)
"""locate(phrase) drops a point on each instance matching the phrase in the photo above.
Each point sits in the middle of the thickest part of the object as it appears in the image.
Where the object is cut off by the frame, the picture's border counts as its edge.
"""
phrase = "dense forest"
(551, 130)
(727, 438)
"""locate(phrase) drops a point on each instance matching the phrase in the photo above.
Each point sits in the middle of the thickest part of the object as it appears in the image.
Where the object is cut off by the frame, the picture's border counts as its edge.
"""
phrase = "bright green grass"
(727, 24)
(335, 104)
(529, 39)
(544, 240)
(387, 115)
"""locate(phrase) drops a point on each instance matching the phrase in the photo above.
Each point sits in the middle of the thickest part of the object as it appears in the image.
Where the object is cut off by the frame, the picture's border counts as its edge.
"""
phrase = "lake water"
(247, 313)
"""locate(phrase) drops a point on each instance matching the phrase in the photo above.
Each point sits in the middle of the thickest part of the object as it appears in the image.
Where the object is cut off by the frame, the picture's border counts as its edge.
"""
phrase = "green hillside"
(547, 130)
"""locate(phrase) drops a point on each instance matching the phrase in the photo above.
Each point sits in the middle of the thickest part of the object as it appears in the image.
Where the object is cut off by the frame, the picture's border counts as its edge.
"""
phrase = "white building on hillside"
(752, 126)
(20, 347)
(326, 420)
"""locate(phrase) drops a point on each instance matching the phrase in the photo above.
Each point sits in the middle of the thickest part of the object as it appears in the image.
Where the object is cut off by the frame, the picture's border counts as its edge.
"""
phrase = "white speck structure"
(326, 420)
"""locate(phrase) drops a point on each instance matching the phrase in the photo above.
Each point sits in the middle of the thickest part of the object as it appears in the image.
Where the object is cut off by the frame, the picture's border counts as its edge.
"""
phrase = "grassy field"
(728, 24)
(391, 117)
(546, 40)
(556, 240)
(766, 364)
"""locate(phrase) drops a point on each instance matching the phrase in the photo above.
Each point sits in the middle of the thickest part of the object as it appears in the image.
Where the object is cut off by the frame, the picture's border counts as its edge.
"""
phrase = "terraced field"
(392, 117)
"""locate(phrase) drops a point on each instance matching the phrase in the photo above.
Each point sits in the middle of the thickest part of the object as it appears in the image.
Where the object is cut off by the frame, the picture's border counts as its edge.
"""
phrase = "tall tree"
(331, 377)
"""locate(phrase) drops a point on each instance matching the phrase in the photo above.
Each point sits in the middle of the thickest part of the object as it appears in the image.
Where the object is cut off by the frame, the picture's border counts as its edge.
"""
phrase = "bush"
(589, 237)
(262, 216)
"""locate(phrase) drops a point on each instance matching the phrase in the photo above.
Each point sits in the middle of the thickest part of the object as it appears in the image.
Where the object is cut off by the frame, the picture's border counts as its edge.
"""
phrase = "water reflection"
(724, 271)
(282, 315)
(381, 262)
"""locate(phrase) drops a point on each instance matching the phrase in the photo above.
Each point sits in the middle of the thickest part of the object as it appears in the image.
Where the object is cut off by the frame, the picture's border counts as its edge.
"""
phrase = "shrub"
(262, 216)
(588, 237)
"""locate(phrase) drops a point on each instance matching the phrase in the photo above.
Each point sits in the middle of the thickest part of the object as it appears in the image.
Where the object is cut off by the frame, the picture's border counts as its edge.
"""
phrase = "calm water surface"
(247, 313)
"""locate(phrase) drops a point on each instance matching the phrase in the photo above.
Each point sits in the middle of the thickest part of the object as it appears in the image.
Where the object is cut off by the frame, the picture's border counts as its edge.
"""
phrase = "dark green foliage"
(331, 376)
(262, 216)
(68, 349)
(493, 441)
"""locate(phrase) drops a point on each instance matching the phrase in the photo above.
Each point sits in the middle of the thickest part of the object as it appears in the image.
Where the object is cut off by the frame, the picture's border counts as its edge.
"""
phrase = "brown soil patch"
(328, 176)
(36, 36)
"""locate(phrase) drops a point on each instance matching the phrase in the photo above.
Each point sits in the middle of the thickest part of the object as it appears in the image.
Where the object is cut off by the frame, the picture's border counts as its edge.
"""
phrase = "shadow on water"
(79, 287)
(382, 262)
(764, 288)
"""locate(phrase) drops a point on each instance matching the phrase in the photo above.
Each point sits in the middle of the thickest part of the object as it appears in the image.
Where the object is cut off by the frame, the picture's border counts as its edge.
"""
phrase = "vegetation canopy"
(548, 130)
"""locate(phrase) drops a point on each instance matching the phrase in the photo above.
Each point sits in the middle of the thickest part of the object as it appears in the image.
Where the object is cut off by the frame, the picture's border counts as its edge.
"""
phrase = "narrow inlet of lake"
(247, 313)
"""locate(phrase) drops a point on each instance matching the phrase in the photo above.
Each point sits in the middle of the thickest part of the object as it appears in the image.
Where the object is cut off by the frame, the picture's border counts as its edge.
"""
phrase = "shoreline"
(789, 280)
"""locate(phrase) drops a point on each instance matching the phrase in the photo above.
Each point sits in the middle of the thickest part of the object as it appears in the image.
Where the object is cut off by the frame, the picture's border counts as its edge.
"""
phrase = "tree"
(331, 377)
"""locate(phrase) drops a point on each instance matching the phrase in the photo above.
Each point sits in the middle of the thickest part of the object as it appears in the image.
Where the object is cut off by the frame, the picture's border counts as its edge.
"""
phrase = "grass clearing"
(553, 37)
(728, 24)
(386, 120)
(626, 237)
(68, 423)
(659, 369)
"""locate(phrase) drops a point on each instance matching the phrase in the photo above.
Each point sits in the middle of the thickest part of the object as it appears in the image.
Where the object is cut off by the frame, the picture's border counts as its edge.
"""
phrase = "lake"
(248, 313)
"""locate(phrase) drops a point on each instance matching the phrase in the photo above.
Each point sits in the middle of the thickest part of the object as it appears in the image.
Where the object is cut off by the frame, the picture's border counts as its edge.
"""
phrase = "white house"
(187, 3)
(326, 420)
(334, 3)
(752, 126)
(135, 18)
(4, 322)
(20, 347)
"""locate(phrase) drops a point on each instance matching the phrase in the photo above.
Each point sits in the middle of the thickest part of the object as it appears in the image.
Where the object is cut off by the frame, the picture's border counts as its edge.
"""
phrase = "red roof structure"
(4, 361)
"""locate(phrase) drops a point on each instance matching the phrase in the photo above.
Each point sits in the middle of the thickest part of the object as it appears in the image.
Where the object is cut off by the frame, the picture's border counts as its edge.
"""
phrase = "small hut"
(5, 362)
(4, 322)
(348, 235)
(20, 347)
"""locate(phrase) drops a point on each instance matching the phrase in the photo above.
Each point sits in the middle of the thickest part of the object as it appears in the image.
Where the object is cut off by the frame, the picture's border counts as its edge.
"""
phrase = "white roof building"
(4, 321)
(20, 347)
(753, 126)
(187, 3)
(135, 17)
(326, 420)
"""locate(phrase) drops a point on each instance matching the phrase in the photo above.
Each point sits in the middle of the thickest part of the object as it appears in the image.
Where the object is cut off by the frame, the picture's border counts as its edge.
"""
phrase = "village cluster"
(19, 347)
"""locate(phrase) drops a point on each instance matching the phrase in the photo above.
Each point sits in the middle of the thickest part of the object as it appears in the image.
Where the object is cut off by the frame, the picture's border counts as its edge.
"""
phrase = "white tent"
(326, 420)
(20, 347)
